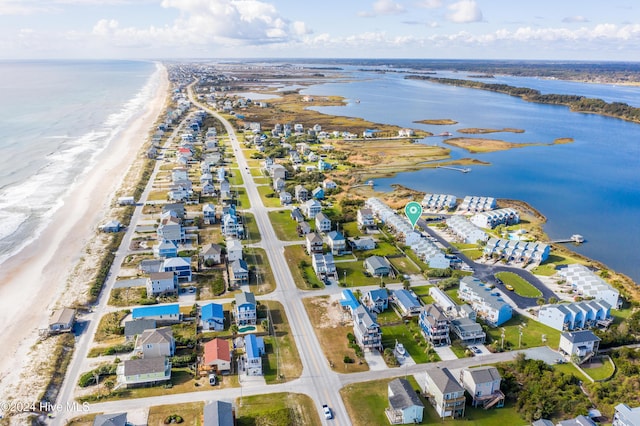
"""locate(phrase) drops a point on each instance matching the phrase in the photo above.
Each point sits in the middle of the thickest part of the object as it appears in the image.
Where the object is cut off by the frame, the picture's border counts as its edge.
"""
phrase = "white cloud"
(430, 4)
(388, 7)
(465, 11)
(21, 7)
(575, 19)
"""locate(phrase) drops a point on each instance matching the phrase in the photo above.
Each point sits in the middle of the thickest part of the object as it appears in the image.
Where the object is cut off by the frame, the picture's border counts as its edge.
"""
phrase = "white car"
(327, 412)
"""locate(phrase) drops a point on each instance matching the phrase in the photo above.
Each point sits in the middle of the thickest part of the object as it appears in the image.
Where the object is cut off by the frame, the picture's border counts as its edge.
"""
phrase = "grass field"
(250, 229)
(273, 201)
(532, 333)
(305, 278)
(366, 401)
(241, 197)
(191, 413)
(261, 279)
(409, 335)
(519, 284)
(569, 368)
(601, 370)
(404, 265)
(235, 178)
(276, 409)
(355, 275)
(262, 181)
(290, 366)
(284, 226)
(332, 335)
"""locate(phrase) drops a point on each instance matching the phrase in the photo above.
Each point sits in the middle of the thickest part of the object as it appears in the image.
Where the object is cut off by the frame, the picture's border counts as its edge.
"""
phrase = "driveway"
(375, 361)
(445, 353)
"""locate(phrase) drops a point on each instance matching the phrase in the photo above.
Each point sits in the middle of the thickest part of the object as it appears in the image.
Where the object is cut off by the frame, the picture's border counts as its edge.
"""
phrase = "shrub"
(348, 360)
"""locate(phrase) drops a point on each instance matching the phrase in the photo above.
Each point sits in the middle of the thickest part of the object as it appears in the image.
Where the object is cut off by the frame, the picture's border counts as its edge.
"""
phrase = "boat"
(445, 134)
(400, 350)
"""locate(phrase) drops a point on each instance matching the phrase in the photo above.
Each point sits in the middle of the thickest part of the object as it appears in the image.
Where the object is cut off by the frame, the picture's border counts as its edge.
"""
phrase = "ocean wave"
(26, 207)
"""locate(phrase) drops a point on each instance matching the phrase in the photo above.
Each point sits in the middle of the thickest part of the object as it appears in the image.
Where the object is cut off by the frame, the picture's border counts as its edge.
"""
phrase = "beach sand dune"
(36, 281)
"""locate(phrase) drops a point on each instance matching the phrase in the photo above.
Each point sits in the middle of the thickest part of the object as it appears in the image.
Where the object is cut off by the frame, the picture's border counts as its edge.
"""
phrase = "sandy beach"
(36, 281)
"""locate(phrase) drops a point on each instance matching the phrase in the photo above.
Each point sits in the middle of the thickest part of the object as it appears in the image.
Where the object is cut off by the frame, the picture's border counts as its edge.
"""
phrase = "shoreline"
(42, 276)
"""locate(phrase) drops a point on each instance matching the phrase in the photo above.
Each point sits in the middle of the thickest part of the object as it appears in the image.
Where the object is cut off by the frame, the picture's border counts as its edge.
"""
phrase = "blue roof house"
(212, 317)
(254, 349)
(160, 313)
(349, 301)
(376, 300)
(318, 193)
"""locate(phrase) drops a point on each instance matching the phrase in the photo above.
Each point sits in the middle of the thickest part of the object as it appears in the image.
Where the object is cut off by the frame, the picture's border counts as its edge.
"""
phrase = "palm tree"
(234, 329)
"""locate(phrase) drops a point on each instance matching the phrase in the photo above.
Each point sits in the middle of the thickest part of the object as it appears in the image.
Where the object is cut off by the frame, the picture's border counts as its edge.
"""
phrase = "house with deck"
(165, 249)
(576, 316)
(209, 214)
(366, 330)
(377, 300)
(62, 320)
(323, 223)
(212, 317)
(626, 416)
(211, 254)
(588, 285)
(311, 209)
(444, 393)
(336, 242)
(217, 356)
(377, 266)
(487, 303)
(234, 249)
(181, 266)
(153, 343)
(483, 384)
(405, 406)
(365, 219)
(581, 345)
(406, 302)
(253, 352)
(434, 325)
(245, 311)
(143, 372)
(314, 243)
(364, 243)
(465, 230)
(161, 283)
(162, 314)
(132, 329)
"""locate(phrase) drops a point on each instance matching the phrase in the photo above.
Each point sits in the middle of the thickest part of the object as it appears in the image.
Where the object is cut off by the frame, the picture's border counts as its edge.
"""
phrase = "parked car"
(327, 412)
(509, 287)
(213, 379)
(475, 350)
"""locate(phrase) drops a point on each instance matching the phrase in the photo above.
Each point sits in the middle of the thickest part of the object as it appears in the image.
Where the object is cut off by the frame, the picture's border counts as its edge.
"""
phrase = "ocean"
(57, 116)
(589, 187)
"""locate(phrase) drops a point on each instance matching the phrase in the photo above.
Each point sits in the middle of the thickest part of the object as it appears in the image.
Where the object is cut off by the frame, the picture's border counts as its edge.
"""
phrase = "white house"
(472, 203)
(626, 416)
(488, 305)
(465, 230)
(253, 349)
(234, 249)
(483, 384)
(161, 283)
(365, 243)
(245, 311)
(323, 223)
(311, 208)
(336, 242)
(366, 330)
(491, 219)
(154, 343)
(589, 285)
(572, 316)
(444, 393)
(583, 344)
(439, 201)
(211, 254)
(365, 219)
(405, 406)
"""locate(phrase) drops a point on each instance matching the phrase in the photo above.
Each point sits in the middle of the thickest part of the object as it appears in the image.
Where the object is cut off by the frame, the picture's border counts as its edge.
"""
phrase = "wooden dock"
(575, 238)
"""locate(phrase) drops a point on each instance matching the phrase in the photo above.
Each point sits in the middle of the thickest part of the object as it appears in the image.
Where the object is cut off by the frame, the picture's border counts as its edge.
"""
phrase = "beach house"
(211, 254)
(405, 406)
(366, 330)
(626, 416)
(219, 413)
(444, 393)
(162, 314)
(209, 214)
(181, 266)
(311, 209)
(245, 311)
(472, 204)
(323, 223)
(143, 372)
(153, 343)
(579, 345)
(365, 219)
(406, 302)
(132, 329)
(377, 300)
(234, 249)
(238, 272)
(439, 201)
(577, 315)
(217, 356)
(253, 352)
(493, 218)
(483, 384)
(434, 325)
(62, 320)
(212, 317)
(161, 283)
(165, 248)
(336, 242)
(314, 243)
(487, 304)
(465, 230)
(589, 285)
(324, 266)
(377, 266)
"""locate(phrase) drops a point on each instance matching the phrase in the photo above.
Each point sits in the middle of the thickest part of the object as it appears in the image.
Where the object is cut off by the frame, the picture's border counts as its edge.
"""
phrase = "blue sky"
(477, 29)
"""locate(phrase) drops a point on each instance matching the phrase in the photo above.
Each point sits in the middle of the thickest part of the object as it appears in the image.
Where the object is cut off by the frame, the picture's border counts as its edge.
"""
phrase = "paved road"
(486, 273)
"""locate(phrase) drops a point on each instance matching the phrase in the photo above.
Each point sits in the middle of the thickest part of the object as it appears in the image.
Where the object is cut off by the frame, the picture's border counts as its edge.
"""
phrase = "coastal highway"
(322, 383)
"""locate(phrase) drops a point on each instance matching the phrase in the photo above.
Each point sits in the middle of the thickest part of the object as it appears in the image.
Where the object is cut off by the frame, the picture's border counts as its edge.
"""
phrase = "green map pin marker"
(413, 211)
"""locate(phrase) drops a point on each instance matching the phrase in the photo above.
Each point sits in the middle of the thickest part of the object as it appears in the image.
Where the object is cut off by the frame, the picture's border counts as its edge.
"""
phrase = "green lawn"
(548, 267)
(242, 198)
(405, 265)
(409, 335)
(600, 371)
(382, 249)
(304, 277)
(235, 178)
(532, 333)
(355, 275)
(415, 258)
(569, 368)
(472, 254)
(276, 409)
(520, 285)
(273, 201)
(351, 229)
(284, 226)
(283, 359)
(251, 229)
(453, 294)
(261, 279)
(262, 181)
(366, 401)
(257, 172)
